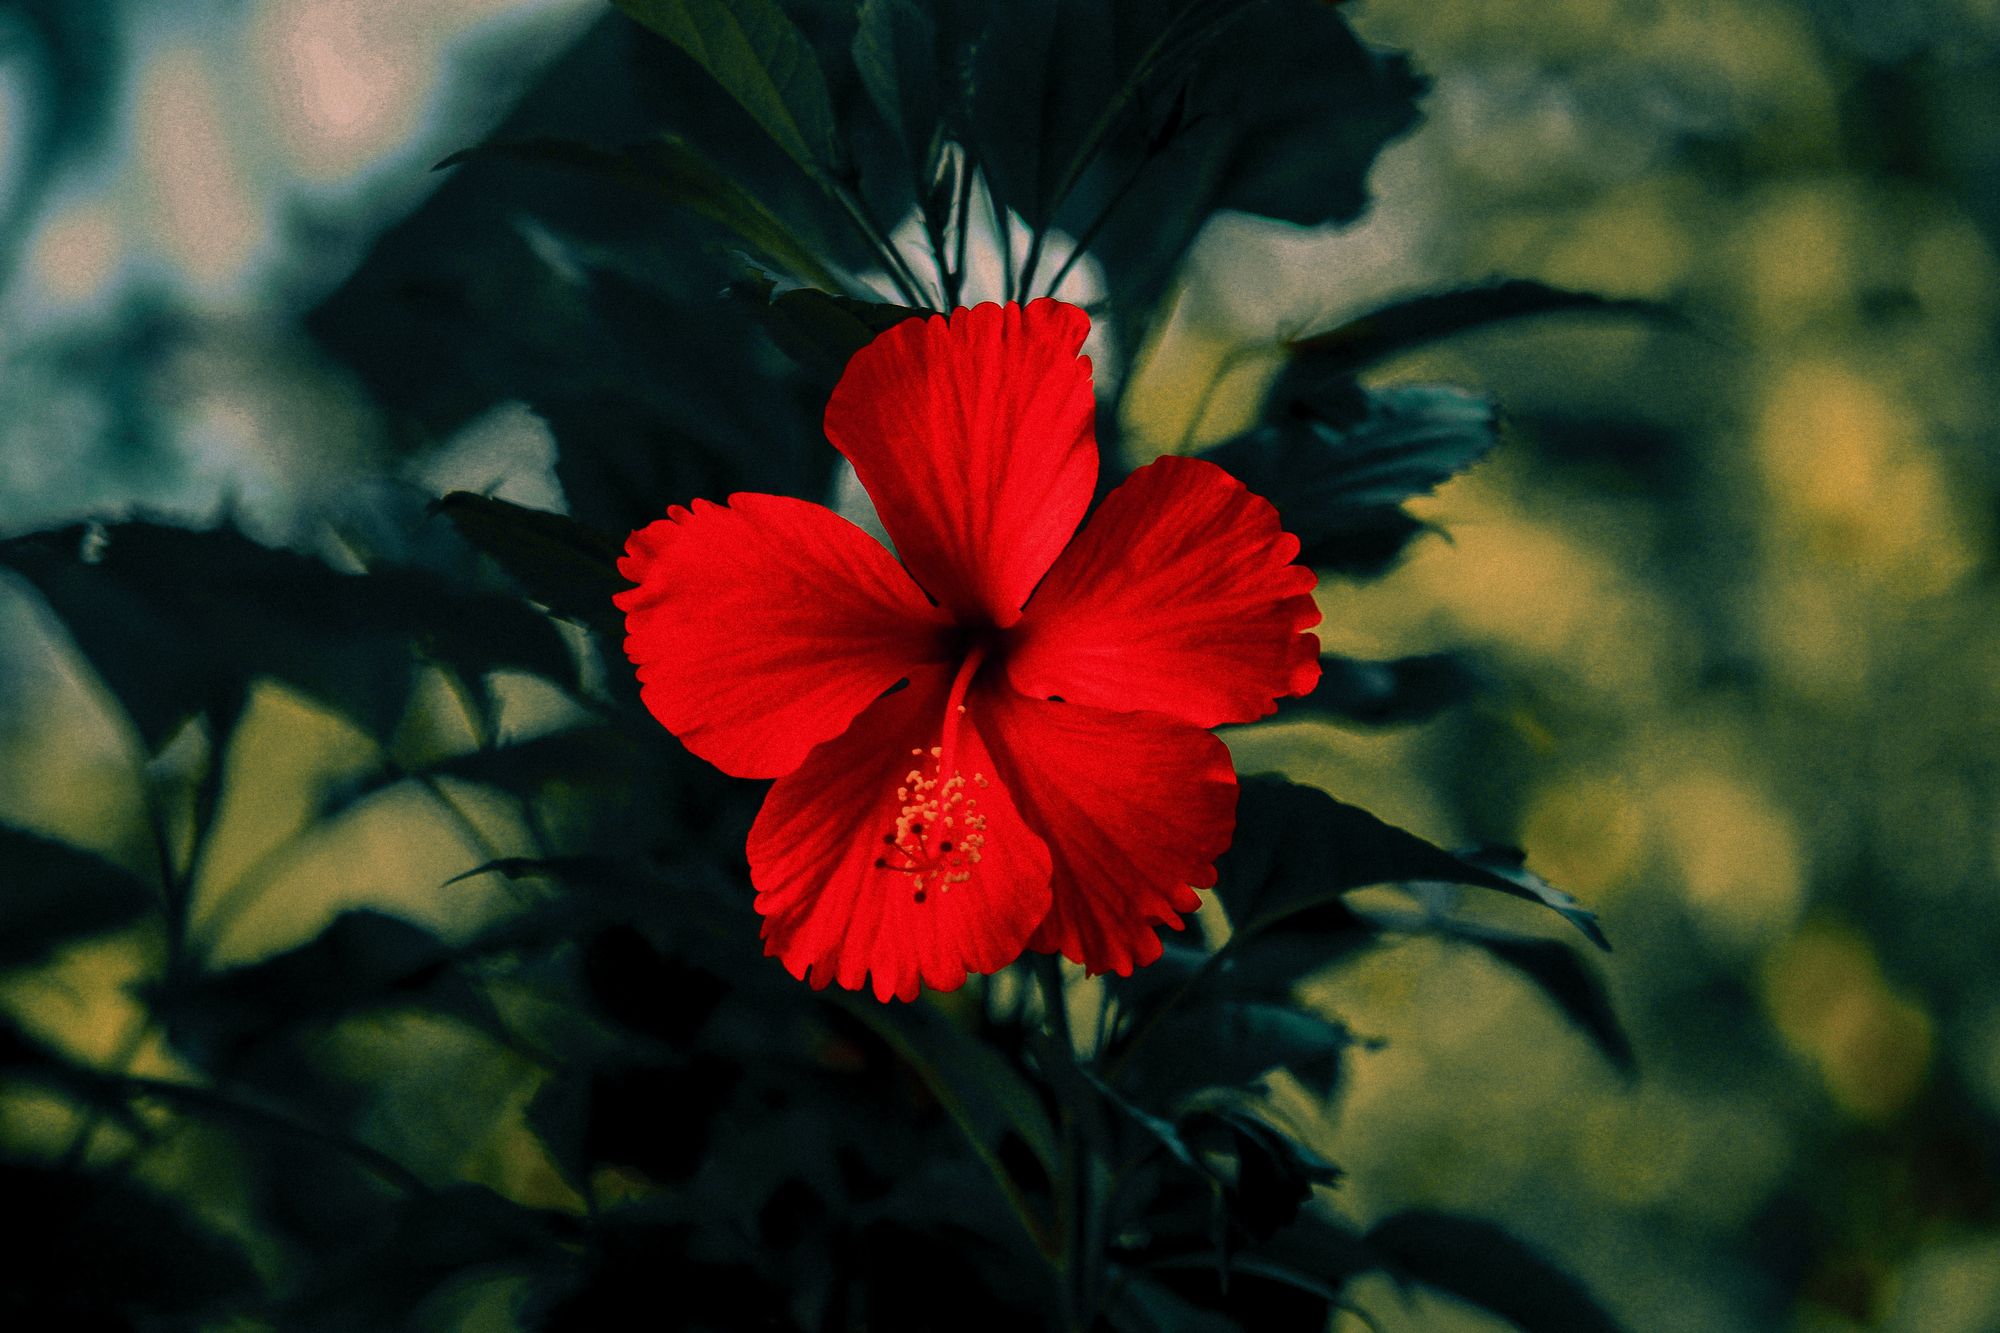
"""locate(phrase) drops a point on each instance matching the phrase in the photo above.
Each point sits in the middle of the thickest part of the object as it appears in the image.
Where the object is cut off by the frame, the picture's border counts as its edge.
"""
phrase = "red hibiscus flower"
(1044, 777)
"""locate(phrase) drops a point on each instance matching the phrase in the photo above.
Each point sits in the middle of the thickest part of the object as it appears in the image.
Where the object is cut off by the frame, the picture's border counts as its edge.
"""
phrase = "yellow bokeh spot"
(1852, 485)
(1799, 255)
(1738, 855)
(1825, 992)
(1638, 242)
(1586, 832)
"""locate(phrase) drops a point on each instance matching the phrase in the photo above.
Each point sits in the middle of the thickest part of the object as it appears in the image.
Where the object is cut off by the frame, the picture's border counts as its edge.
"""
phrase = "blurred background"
(1731, 591)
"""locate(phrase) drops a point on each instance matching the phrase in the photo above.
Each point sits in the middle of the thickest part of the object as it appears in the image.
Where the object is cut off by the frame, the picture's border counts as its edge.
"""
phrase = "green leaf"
(434, 1241)
(1347, 349)
(103, 1251)
(675, 169)
(582, 756)
(1269, 106)
(570, 568)
(1306, 850)
(1040, 74)
(819, 330)
(1143, 1305)
(53, 894)
(988, 1098)
(1485, 1266)
(1378, 694)
(364, 961)
(1274, 1172)
(896, 54)
(754, 50)
(983, 1092)
(1334, 483)
(1567, 980)
(1235, 1044)
(179, 622)
(1506, 869)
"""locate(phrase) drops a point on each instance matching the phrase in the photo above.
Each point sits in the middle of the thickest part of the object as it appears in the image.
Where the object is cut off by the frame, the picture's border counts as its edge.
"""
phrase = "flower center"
(939, 831)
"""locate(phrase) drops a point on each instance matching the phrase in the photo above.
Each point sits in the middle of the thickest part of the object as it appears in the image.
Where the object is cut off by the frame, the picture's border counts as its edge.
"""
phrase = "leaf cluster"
(669, 253)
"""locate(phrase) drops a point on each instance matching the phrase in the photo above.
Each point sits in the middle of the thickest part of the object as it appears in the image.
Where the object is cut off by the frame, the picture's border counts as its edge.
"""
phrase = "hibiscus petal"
(763, 627)
(1179, 596)
(973, 436)
(1134, 807)
(824, 857)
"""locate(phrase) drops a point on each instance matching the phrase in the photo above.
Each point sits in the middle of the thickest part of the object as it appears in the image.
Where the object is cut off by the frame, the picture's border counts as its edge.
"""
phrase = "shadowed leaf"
(676, 170)
(570, 568)
(820, 331)
(1307, 849)
(1377, 694)
(1234, 1044)
(364, 961)
(1338, 487)
(100, 1252)
(1483, 1265)
(1571, 983)
(758, 55)
(1413, 321)
(178, 622)
(53, 894)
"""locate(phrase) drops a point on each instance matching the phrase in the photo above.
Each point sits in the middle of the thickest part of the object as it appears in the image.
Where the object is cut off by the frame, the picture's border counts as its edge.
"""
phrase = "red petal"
(1179, 596)
(762, 628)
(1134, 807)
(832, 912)
(974, 438)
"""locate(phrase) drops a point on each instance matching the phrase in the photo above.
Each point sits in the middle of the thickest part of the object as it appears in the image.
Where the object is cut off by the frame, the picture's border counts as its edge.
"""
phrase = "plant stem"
(962, 211)
(899, 271)
(1073, 1184)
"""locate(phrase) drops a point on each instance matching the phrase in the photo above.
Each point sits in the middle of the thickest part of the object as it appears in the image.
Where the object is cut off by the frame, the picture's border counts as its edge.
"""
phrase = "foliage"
(696, 1123)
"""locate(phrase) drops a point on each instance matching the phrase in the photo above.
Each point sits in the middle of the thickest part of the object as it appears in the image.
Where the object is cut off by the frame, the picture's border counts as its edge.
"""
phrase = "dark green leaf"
(1274, 1173)
(1404, 689)
(102, 1251)
(1484, 1266)
(437, 1240)
(897, 56)
(1400, 326)
(1506, 869)
(818, 330)
(570, 568)
(583, 756)
(1305, 850)
(986, 1095)
(178, 623)
(1572, 984)
(754, 50)
(1270, 106)
(53, 894)
(363, 961)
(1044, 76)
(1338, 488)
(1153, 1131)
(673, 168)
(1234, 1044)
(1144, 1305)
